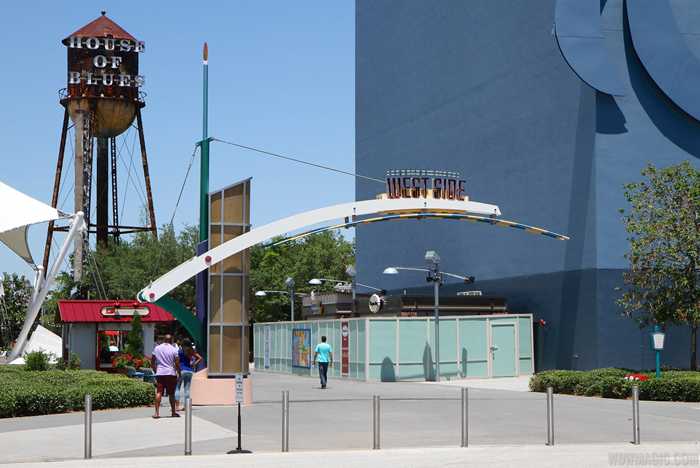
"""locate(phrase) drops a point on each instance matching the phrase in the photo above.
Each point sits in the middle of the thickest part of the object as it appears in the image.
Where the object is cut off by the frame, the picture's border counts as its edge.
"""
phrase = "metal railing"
(376, 416)
(464, 417)
(376, 422)
(285, 420)
(88, 427)
(188, 426)
(550, 416)
(635, 415)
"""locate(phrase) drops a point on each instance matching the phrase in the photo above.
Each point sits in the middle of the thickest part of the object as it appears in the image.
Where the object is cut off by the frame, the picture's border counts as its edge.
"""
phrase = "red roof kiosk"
(96, 330)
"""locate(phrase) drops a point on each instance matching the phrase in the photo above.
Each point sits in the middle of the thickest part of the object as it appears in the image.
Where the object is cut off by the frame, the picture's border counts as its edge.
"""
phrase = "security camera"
(432, 256)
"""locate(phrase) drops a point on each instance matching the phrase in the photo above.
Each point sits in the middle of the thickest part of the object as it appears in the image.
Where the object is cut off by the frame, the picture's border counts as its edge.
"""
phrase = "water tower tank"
(103, 77)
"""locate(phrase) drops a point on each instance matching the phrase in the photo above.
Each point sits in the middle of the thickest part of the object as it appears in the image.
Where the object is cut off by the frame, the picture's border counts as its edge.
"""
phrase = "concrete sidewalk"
(540, 456)
(339, 418)
(511, 384)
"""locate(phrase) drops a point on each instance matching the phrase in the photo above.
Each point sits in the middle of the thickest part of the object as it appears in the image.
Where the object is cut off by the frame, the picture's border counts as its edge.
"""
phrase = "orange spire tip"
(205, 52)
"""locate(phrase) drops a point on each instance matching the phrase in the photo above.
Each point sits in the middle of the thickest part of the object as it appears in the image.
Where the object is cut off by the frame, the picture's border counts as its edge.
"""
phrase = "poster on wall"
(301, 347)
(266, 346)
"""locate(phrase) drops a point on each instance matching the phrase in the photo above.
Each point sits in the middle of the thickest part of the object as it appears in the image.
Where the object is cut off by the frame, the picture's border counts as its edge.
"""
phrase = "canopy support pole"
(77, 226)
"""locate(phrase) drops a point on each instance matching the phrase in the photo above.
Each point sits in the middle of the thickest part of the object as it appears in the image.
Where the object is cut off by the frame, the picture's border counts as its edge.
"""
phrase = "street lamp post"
(291, 294)
(289, 282)
(351, 272)
(657, 343)
(435, 276)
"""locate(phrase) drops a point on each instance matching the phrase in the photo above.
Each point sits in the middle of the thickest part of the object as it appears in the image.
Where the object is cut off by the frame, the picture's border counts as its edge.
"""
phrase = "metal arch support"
(187, 270)
(417, 216)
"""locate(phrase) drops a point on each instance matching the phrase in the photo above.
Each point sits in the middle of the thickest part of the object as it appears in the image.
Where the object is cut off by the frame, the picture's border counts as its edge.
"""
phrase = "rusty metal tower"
(102, 99)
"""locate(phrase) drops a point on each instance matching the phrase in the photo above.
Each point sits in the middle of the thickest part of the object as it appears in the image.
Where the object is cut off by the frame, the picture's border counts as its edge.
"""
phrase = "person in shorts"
(166, 365)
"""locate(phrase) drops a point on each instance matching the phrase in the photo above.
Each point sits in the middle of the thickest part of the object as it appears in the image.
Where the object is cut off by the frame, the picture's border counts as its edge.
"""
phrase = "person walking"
(323, 355)
(189, 360)
(166, 365)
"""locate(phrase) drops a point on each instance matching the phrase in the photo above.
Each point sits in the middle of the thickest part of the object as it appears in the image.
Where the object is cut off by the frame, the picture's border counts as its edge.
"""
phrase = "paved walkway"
(597, 455)
(513, 384)
(339, 418)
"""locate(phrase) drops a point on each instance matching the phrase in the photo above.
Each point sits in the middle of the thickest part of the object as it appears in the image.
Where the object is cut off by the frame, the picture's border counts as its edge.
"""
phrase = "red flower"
(637, 377)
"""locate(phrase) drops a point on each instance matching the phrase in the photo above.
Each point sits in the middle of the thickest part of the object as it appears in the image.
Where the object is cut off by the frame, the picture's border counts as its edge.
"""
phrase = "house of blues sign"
(421, 183)
(105, 61)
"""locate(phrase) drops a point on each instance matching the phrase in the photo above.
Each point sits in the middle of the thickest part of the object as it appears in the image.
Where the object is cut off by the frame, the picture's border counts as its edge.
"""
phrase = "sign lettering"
(106, 64)
(417, 183)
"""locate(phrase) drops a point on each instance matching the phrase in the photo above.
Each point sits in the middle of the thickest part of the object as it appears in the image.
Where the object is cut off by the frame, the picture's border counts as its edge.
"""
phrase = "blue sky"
(281, 78)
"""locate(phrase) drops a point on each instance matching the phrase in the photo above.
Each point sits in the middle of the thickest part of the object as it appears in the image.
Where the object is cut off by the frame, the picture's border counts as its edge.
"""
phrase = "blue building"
(546, 108)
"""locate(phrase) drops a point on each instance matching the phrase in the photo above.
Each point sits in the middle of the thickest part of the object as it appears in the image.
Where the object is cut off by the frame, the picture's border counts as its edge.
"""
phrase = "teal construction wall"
(401, 348)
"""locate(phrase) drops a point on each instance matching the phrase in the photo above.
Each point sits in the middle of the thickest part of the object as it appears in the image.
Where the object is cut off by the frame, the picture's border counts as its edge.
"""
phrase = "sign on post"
(345, 348)
(239, 388)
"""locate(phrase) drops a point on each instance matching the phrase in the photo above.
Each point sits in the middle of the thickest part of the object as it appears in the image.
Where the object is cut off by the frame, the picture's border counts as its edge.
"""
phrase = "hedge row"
(611, 383)
(29, 393)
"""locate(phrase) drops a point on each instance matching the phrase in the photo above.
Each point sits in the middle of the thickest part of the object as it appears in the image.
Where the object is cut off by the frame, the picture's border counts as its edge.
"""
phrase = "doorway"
(503, 350)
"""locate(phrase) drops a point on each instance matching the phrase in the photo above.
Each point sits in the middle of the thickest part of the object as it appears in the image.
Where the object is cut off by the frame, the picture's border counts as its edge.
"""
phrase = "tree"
(322, 255)
(663, 226)
(134, 339)
(13, 307)
(121, 270)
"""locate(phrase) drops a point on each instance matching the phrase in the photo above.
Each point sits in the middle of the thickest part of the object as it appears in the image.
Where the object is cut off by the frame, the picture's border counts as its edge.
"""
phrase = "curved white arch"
(187, 270)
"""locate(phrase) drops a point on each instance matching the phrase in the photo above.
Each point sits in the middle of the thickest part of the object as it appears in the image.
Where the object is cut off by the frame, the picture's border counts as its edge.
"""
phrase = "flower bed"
(124, 360)
(29, 393)
(617, 383)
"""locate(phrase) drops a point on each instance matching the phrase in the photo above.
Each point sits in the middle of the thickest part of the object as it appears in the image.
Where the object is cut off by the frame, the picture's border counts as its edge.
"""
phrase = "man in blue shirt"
(323, 355)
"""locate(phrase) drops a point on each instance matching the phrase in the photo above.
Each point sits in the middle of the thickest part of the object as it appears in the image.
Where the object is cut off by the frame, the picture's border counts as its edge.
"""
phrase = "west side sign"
(421, 183)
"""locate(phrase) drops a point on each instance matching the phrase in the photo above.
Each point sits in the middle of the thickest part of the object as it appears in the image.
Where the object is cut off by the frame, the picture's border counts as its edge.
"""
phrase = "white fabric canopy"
(43, 340)
(17, 212)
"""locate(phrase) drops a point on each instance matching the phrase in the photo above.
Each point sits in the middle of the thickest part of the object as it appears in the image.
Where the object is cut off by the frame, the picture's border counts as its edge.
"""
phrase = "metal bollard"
(88, 427)
(635, 415)
(376, 422)
(188, 426)
(285, 420)
(465, 417)
(550, 416)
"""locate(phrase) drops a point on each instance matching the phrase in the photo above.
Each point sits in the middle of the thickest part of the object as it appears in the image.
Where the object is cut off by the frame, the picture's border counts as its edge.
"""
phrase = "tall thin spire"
(204, 156)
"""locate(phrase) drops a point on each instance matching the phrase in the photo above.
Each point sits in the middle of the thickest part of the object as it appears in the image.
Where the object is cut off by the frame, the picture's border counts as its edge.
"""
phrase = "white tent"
(43, 340)
(17, 212)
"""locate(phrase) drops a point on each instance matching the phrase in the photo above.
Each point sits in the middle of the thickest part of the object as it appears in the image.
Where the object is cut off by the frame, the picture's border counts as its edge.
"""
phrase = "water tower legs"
(56, 187)
(146, 176)
(105, 172)
(102, 192)
(81, 192)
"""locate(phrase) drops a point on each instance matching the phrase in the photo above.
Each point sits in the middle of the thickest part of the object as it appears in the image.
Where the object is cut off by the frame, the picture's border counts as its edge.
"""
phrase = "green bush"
(37, 361)
(27, 393)
(72, 363)
(611, 383)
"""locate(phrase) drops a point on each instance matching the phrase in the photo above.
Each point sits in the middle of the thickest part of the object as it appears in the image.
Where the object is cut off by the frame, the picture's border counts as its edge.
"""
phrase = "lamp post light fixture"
(289, 282)
(352, 273)
(435, 276)
(657, 343)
